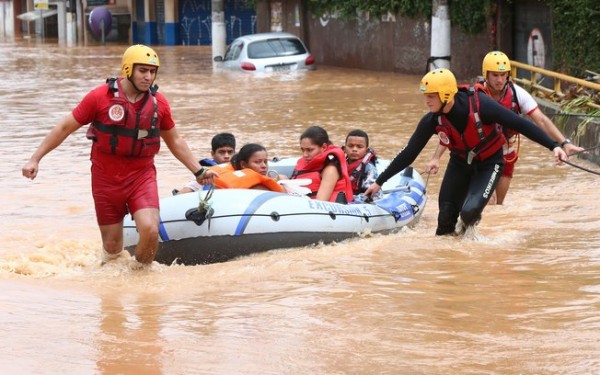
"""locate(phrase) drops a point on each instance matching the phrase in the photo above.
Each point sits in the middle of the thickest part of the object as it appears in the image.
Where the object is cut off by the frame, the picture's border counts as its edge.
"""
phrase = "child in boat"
(324, 164)
(223, 148)
(361, 163)
(250, 168)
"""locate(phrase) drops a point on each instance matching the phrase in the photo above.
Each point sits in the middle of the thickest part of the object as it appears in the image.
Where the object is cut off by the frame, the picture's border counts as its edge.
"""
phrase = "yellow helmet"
(138, 54)
(440, 81)
(495, 61)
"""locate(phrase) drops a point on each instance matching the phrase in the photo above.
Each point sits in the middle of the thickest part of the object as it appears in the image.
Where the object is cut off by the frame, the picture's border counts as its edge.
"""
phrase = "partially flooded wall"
(583, 130)
(387, 43)
(395, 44)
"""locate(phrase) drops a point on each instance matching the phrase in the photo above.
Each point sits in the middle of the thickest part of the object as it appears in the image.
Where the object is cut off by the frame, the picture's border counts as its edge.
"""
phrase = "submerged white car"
(267, 52)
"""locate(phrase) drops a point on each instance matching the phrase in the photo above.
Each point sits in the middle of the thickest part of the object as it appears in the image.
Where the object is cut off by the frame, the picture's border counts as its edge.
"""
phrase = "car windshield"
(275, 47)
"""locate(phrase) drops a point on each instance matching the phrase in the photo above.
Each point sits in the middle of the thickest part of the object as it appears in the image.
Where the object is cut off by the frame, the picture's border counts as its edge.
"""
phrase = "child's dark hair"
(222, 140)
(245, 154)
(317, 135)
(358, 133)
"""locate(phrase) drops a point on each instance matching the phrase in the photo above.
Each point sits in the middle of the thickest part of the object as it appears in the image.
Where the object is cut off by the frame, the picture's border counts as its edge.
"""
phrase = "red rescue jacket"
(123, 131)
(478, 141)
(509, 100)
(313, 169)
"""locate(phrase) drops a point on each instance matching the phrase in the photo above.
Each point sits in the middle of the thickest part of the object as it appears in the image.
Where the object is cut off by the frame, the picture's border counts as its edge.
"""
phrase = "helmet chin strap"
(134, 86)
(441, 111)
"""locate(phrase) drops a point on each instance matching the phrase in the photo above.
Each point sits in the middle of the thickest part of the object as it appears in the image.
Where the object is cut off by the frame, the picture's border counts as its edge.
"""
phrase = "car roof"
(264, 36)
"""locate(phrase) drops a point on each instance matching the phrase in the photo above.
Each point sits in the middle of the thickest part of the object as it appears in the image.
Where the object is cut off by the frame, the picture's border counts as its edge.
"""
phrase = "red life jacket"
(508, 100)
(357, 169)
(121, 130)
(478, 141)
(245, 179)
(313, 169)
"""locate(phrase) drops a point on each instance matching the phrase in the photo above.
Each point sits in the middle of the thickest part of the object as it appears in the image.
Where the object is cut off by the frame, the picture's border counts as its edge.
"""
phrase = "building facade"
(389, 43)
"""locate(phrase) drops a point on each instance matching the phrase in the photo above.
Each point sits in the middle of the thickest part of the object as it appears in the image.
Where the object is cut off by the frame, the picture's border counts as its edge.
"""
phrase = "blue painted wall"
(194, 26)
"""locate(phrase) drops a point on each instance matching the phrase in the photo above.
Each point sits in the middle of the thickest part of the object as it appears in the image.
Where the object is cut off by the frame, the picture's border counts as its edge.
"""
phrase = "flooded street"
(523, 298)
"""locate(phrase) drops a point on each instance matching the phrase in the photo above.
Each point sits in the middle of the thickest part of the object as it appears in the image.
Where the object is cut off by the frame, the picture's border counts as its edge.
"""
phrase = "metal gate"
(196, 25)
(160, 21)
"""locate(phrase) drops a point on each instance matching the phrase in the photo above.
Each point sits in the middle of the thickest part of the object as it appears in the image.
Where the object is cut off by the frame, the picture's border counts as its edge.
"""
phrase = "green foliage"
(414, 8)
(347, 9)
(578, 107)
(469, 15)
(576, 36)
(576, 23)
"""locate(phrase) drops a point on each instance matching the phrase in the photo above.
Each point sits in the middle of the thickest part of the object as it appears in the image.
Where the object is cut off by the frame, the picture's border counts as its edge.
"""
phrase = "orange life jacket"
(246, 179)
(222, 168)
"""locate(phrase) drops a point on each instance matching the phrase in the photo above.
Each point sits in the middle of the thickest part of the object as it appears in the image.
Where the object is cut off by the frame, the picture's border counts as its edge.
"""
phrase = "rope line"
(580, 167)
(204, 205)
(577, 115)
(282, 215)
(585, 150)
(426, 180)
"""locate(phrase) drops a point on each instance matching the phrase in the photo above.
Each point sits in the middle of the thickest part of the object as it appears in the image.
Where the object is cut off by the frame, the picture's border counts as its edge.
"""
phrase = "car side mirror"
(218, 58)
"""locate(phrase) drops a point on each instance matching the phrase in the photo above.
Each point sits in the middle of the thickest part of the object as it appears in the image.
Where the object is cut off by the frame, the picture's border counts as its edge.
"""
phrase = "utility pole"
(440, 36)
(219, 35)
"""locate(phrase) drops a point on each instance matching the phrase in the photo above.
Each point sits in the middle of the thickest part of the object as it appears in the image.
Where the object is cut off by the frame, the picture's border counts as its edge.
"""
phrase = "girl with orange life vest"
(361, 162)
(465, 121)
(247, 170)
(324, 164)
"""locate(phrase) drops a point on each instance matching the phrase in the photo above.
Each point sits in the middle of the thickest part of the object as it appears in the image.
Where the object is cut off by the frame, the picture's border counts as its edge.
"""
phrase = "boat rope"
(204, 210)
(580, 167)
(203, 205)
(193, 216)
(577, 115)
(427, 179)
(585, 150)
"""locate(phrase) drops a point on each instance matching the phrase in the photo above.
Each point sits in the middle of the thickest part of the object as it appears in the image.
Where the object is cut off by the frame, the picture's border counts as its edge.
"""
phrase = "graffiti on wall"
(363, 16)
(196, 22)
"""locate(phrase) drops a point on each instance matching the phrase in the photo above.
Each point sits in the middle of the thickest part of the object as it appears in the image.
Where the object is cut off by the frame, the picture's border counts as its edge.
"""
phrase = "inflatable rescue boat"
(237, 222)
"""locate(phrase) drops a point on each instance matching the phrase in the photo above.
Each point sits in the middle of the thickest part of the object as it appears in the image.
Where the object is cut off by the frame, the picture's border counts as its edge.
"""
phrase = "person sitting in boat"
(223, 148)
(361, 163)
(324, 164)
(250, 168)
